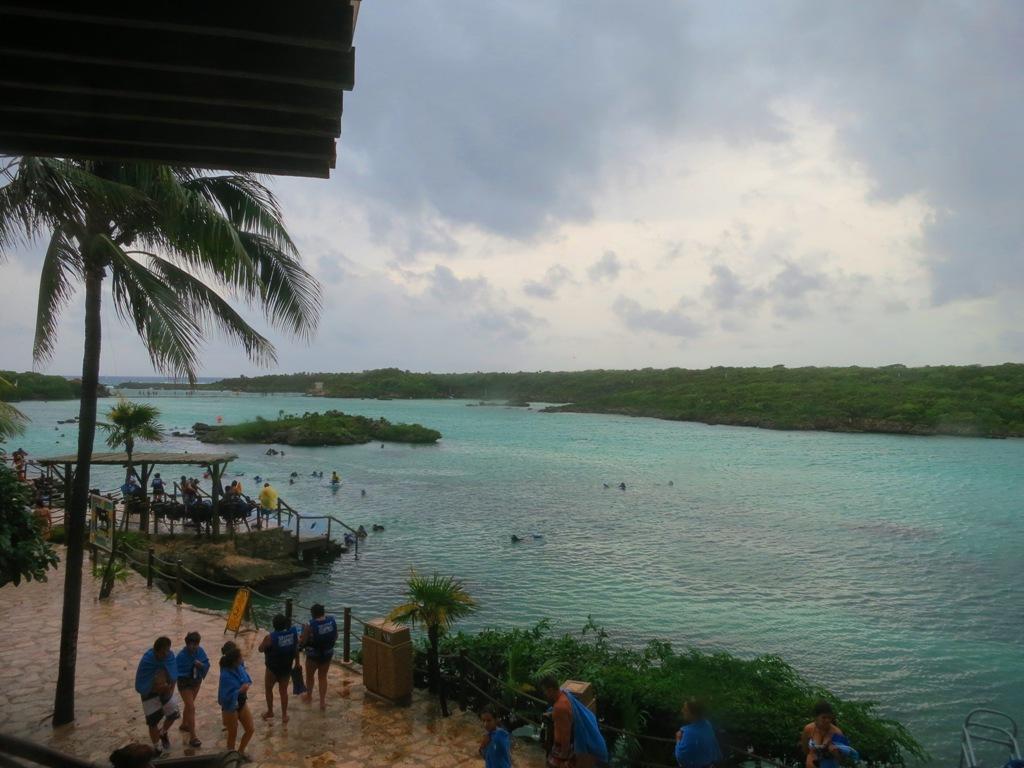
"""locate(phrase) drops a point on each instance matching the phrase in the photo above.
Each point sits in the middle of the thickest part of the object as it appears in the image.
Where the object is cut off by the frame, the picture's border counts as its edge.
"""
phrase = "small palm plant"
(12, 421)
(128, 422)
(435, 602)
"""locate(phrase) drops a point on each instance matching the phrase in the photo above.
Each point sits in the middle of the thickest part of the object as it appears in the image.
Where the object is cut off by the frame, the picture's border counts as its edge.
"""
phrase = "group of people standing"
(169, 682)
(574, 737)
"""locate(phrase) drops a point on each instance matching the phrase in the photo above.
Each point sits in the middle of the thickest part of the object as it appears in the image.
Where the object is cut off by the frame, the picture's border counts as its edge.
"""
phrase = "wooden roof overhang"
(226, 84)
(121, 459)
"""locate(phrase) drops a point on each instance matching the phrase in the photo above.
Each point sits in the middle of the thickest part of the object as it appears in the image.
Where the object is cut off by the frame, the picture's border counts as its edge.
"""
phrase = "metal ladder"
(990, 726)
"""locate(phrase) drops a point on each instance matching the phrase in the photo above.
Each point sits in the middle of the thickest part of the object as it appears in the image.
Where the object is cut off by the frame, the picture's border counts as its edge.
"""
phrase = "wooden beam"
(218, 90)
(56, 146)
(166, 51)
(150, 134)
(316, 23)
(131, 108)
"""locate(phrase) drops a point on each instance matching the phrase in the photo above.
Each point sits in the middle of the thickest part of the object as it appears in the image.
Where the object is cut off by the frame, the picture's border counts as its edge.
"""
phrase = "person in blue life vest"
(280, 647)
(154, 682)
(696, 743)
(192, 665)
(495, 747)
(158, 487)
(232, 695)
(318, 638)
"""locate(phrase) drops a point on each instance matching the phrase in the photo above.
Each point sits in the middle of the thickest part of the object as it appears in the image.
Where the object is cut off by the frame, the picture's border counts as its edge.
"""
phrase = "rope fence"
(177, 577)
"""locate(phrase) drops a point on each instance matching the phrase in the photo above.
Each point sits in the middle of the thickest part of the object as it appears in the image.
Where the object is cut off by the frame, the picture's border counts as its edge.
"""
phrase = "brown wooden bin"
(387, 661)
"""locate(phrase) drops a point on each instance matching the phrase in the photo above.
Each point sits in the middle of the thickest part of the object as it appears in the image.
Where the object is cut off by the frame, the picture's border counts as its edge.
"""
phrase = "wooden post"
(288, 610)
(149, 568)
(67, 496)
(357, 546)
(177, 581)
(278, 513)
(347, 643)
(215, 472)
(329, 521)
(298, 547)
(463, 669)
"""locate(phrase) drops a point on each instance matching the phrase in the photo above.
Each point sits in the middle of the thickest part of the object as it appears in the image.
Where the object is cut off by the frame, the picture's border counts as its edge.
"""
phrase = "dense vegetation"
(760, 703)
(15, 387)
(957, 400)
(24, 551)
(330, 428)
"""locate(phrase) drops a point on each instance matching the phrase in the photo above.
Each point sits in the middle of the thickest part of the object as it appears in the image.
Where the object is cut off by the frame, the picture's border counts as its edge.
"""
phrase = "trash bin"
(387, 661)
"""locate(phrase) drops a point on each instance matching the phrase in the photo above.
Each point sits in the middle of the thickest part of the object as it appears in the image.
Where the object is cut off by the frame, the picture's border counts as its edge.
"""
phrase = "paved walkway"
(357, 731)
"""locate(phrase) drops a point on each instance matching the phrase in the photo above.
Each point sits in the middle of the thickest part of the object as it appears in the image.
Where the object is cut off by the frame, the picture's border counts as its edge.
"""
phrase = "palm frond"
(247, 204)
(12, 421)
(171, 335)
(210, 310)
(60, 265)
(289, 295)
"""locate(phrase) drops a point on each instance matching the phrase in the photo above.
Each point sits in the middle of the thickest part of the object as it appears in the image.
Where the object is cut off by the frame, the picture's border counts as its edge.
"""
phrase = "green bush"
(24, 553)
(760, 703)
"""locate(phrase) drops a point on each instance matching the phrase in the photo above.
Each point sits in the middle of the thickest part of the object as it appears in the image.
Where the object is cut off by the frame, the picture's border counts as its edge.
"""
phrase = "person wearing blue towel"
(232, 695)
(577, 737)
(318, 638)
(696, 744)
(154, 682)
(495, 747)
(192, 665)
(280, 648)
(821, 740)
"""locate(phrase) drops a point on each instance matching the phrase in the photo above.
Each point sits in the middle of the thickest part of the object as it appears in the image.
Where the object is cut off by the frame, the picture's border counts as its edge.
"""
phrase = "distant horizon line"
(159, 378)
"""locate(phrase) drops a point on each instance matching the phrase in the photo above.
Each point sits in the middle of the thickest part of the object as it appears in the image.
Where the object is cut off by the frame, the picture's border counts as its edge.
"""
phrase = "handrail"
(23, 749)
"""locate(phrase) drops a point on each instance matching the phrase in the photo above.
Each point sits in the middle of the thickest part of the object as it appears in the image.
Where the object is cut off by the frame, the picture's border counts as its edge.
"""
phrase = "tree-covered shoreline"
(19, 387)
(970, 401)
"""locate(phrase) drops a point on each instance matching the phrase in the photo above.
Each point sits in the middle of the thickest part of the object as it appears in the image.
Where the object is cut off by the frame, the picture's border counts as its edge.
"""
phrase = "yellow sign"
(239, 608)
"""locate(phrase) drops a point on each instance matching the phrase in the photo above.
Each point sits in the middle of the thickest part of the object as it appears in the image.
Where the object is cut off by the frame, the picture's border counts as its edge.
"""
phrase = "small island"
(317, 429)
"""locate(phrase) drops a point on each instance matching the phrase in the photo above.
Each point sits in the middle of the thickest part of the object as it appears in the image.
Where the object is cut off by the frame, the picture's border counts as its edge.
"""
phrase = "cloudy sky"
(581, 183)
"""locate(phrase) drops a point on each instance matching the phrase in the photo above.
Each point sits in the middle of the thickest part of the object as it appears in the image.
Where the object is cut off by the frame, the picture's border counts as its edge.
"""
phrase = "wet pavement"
(357, 730)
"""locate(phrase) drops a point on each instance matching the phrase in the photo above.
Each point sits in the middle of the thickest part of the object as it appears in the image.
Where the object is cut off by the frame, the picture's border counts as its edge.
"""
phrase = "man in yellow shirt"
(268, 499)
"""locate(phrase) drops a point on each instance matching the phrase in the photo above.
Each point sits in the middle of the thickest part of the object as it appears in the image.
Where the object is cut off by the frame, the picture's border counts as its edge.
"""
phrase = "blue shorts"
(320, 657)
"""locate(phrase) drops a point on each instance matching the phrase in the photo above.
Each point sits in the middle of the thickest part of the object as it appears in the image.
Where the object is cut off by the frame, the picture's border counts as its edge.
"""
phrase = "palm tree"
(130, 422)
(436, 602)
(173, 242)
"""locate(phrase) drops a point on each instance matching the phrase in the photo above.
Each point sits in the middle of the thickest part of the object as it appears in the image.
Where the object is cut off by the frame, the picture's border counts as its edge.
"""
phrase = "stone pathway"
(357, 731)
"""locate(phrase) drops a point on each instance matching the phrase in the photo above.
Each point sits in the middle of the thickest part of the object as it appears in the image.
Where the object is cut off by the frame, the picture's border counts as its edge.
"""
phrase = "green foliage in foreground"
(955, 400)
(329, 428)
(24, 553)
(760, 703)
(15, 387)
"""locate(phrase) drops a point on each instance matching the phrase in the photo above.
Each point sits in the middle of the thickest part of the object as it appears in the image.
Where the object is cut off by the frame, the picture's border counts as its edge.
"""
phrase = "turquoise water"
(884, 567)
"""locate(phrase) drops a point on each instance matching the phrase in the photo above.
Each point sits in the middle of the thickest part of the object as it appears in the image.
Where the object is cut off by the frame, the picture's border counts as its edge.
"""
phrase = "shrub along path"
(357, 731)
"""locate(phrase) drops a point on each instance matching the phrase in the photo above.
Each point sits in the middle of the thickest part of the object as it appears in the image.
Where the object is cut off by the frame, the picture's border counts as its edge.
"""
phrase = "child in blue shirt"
(495, 748)
(192, 665)
(281, 648)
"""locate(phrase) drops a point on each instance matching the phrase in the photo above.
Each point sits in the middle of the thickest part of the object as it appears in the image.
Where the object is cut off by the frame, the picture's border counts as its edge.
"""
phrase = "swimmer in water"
(515, 539)
(362, 492)
(334, 478)
(622, 486)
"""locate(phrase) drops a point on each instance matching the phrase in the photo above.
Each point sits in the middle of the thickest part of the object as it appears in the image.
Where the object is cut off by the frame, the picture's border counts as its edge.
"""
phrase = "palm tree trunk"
(433, 663)
(64, 699)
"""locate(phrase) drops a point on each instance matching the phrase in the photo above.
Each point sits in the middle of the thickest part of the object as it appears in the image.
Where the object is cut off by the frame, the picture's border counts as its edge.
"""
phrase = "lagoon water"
(884, 567)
